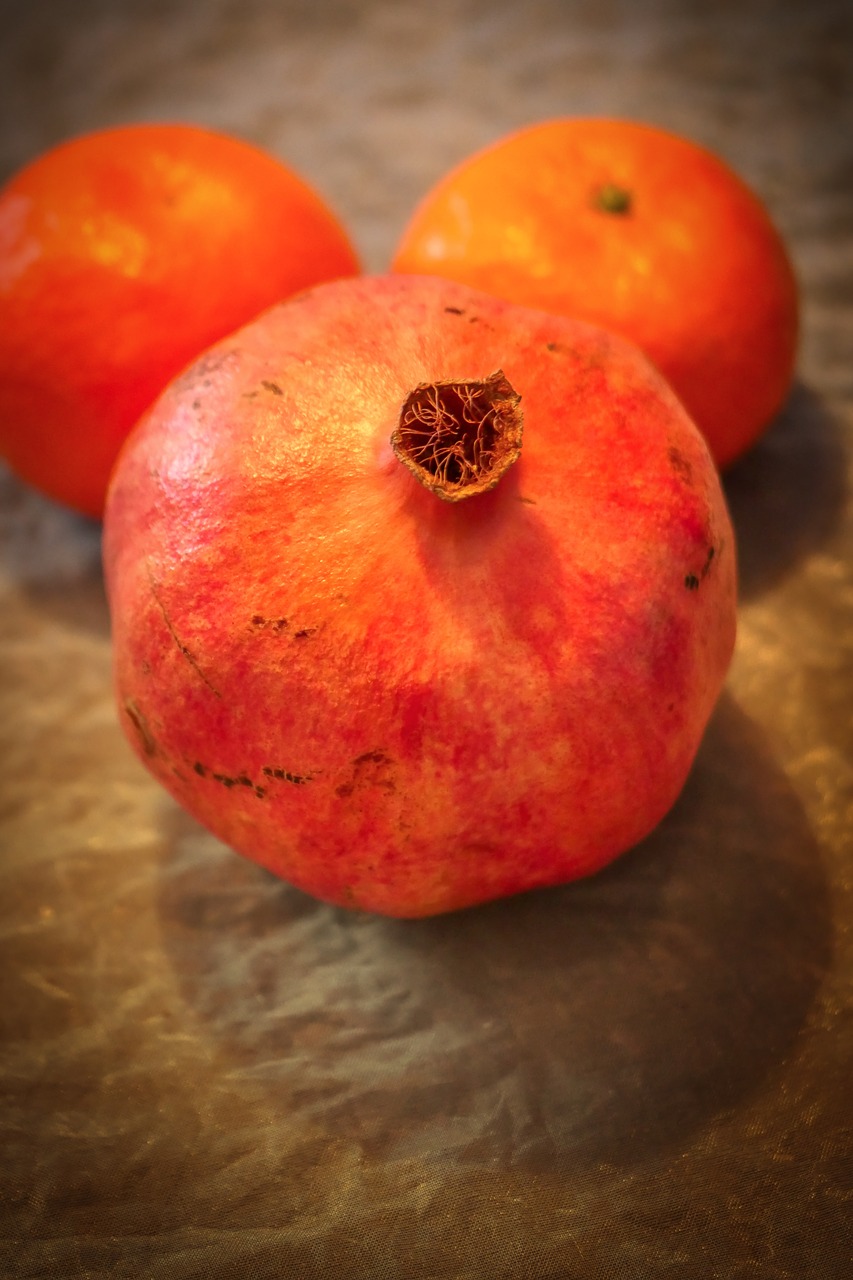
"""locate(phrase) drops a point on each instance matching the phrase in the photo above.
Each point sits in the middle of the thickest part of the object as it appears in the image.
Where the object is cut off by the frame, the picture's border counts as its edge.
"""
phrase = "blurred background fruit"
(123, 253)
(638, 229)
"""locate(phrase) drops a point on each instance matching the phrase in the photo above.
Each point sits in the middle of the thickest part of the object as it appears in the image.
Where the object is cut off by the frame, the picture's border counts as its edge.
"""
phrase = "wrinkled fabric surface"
(203, 1072)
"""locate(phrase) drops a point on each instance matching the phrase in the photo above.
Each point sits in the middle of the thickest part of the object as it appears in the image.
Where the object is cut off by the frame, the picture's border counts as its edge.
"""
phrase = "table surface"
(206, 1073)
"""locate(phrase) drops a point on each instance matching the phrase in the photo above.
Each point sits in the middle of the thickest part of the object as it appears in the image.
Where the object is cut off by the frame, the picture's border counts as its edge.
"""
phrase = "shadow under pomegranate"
(596, 1024)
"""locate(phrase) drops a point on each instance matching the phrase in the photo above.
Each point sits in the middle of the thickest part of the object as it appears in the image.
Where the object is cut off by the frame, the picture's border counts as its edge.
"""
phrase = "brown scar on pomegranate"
(140, 724)
(210, 362)
(278, 625)
(190, 657)
(229, 780)
(692, 581)
(272, 772)
(371, 769)
(285, 775)
(680, 465)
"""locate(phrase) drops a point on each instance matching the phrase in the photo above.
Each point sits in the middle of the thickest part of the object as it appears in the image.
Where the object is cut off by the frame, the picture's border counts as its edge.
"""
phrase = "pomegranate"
(419, 598)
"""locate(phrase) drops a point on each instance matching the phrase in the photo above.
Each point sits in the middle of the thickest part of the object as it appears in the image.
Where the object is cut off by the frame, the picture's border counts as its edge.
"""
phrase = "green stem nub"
(459, 437)
(613, 199)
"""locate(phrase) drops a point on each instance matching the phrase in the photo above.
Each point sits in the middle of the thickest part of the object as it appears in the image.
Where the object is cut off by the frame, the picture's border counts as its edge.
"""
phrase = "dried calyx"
(459, 437)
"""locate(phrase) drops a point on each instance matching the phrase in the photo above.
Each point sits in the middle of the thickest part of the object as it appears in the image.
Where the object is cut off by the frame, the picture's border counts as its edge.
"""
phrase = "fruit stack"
(422, 584)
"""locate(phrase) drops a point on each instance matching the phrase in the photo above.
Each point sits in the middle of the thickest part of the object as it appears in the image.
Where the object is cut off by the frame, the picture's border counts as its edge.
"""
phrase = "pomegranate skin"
(394, 702)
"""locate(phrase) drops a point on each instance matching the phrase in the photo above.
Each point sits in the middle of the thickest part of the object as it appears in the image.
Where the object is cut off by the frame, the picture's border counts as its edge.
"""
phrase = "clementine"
(123, 254)
(641, 231)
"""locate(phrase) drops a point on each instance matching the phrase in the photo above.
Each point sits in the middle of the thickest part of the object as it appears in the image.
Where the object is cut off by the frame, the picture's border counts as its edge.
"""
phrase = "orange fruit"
(638, 230)
(123, 254)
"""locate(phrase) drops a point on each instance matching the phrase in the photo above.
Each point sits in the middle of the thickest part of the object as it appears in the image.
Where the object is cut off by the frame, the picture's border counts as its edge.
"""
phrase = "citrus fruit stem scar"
(613, 199)
(459, 437)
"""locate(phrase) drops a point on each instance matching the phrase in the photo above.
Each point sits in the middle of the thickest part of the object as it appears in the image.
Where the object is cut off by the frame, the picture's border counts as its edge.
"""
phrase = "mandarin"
(636, 229)
(123, 254)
